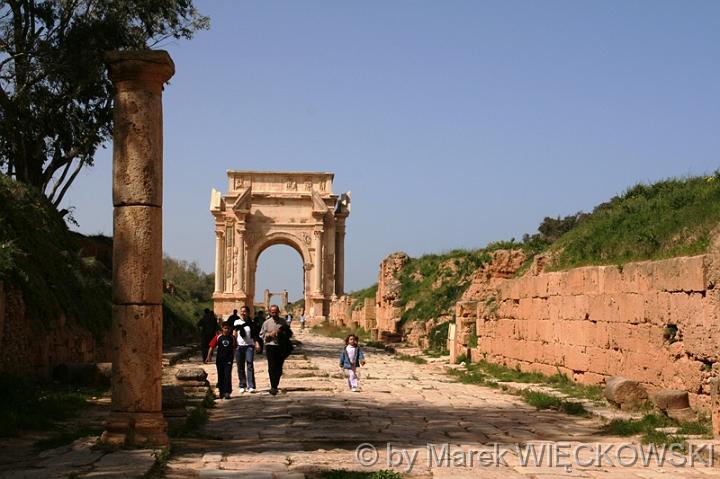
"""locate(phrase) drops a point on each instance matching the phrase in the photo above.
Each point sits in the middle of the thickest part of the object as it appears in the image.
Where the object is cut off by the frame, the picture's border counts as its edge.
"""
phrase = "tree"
(189, 278)
(55, 95)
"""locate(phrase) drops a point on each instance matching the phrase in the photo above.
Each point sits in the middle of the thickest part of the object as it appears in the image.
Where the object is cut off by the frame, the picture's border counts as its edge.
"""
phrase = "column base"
(135, 429)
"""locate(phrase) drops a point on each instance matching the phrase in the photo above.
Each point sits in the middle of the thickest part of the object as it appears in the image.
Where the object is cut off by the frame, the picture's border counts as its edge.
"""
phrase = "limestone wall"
(343, 314)
(340, 311)
(365, 316)
(33, 349)
(655, 322)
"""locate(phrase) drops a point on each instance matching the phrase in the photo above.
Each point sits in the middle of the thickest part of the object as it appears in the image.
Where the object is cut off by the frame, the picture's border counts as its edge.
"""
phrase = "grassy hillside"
(669, 218)
(431, 284)
(674, 217)
(61, 272)
(42, 258)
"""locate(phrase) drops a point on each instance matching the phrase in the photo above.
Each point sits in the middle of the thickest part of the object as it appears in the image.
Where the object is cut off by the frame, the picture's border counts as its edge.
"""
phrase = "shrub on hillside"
(669, 218)
(39, 256)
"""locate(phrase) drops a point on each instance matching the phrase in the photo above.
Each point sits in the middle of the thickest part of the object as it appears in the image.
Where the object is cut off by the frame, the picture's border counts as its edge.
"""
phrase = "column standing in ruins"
(240, 272)
(136, 411)
(219, 261)
(340, 254)
(318, 261)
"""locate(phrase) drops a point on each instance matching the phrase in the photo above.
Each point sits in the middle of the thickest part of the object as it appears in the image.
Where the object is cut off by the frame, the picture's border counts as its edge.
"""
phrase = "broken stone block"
(667, 399)
(173, 397)
(682, 415)
(83, 374)
(191, 374)
(625, 393)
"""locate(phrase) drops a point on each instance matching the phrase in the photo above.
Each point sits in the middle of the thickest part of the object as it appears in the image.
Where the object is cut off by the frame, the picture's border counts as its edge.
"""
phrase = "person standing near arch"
(276, 333)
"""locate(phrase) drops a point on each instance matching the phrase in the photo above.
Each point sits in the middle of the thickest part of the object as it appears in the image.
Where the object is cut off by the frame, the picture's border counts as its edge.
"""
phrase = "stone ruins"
(656, 323)
(262, 209)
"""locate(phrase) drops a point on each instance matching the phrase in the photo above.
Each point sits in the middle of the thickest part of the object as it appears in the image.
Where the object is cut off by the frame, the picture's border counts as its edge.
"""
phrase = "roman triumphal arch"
(262, 209)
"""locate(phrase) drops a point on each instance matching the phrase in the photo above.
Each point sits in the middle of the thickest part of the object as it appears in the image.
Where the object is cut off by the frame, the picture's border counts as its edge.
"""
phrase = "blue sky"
(453, 123)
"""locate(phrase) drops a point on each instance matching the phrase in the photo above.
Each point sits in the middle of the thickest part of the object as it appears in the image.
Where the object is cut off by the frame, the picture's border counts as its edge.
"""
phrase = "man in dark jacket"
(208, 328)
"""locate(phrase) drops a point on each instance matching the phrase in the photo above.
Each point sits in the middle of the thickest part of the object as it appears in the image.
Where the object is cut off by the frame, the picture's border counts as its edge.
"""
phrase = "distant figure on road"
(289, 319)
(208, 327)
(276, 333)
(302, 322)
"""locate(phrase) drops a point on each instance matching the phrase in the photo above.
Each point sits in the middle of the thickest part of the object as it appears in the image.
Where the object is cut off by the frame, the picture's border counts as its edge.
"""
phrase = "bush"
(26, 405)
(43, 259)
(439, 337)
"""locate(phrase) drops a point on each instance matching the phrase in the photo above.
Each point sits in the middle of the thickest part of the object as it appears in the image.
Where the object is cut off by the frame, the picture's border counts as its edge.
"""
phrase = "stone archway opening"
(279, 277)
(262, 209)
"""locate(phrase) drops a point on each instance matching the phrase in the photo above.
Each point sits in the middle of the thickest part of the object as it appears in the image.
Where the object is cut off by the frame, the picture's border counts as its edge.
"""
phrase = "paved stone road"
(316, 422)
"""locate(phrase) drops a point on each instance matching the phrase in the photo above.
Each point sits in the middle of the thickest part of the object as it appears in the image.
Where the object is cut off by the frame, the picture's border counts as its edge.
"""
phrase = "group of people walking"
(238, 341)
(240, 337)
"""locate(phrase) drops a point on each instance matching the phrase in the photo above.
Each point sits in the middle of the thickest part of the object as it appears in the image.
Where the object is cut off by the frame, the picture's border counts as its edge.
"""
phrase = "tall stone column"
(340, 256)
(136, 412)
(317, 268)
(219, 262)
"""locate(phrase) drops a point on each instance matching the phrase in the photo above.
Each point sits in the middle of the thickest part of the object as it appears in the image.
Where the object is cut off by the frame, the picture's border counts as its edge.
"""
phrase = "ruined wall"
(655, 322)
(364, 317)
(387, 300)
(31, 348)
(482, 289)
(343, 314)
(340, 311)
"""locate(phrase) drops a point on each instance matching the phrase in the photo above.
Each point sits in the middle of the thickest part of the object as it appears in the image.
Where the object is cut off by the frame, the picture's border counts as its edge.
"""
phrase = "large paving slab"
(411, 418)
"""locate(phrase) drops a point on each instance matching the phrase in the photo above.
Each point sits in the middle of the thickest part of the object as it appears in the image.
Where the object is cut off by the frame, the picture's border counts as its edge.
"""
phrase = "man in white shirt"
(244, 331)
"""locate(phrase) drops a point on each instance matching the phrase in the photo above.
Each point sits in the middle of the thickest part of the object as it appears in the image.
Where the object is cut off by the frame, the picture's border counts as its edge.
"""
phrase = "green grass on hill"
(41, 258)
(432, 284)
(674, 217)
(669, 218)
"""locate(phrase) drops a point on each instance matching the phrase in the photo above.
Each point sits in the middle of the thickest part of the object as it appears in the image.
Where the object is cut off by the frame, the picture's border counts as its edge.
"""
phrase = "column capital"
(140, 69)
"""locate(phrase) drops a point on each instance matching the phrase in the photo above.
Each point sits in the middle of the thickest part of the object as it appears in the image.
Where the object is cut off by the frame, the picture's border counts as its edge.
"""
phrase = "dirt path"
(403, 409)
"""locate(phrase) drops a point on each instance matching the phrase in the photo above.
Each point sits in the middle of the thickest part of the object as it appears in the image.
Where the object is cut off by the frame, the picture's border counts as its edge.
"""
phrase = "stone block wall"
(340, 311)
(342, 314)
(656, 322)
(33, 348)
(365, 316)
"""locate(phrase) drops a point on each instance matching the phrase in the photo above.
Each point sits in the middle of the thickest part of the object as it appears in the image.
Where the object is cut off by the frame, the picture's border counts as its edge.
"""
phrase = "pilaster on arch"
(262, 209)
